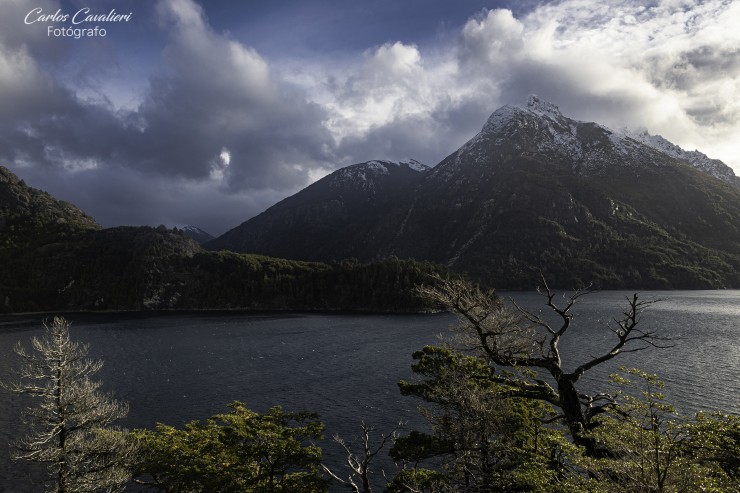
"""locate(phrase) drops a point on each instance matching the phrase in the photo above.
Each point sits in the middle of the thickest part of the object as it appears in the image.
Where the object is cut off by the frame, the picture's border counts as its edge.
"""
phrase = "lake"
(174, 368)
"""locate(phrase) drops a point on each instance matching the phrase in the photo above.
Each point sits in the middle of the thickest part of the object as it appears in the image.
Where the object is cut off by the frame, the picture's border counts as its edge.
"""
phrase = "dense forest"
(147, 268)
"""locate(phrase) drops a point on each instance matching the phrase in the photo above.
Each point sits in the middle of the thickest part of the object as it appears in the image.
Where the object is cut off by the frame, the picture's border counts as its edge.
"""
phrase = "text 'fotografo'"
(81, 22)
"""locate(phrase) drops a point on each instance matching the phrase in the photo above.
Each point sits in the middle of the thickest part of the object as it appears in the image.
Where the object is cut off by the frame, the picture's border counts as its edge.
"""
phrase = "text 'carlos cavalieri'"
(81, 22)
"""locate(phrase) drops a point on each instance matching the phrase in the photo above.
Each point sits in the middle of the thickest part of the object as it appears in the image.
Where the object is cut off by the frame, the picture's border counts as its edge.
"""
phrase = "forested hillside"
(55, 257)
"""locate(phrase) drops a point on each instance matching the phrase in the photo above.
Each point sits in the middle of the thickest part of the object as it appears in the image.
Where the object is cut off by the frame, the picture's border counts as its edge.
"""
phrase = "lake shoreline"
(133, 313)
(7, 318)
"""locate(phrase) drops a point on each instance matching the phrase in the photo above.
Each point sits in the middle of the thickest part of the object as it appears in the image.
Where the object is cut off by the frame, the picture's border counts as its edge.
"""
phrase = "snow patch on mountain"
(415, 165)
(537, 115)
(623, 144)
(370, 169)
(365, 175)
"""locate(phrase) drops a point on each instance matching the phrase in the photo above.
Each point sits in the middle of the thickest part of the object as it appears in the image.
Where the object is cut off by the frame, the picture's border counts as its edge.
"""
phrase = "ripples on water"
(179, 367)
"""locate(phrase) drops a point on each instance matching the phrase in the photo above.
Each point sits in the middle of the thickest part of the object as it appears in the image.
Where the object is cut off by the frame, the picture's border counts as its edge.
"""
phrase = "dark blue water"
(179, 367)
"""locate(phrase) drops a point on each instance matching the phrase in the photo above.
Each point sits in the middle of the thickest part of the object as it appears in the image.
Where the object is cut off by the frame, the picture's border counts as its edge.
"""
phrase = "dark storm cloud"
(214, 123)
(217, 94)
(117, 196)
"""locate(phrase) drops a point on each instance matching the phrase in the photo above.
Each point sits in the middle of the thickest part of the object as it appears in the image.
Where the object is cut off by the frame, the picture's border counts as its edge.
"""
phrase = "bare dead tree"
(68, 428)
(520, 339)
(359, 478)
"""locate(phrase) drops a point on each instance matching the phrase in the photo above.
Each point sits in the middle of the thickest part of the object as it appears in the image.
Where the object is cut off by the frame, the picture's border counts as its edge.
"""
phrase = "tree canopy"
(237, 451)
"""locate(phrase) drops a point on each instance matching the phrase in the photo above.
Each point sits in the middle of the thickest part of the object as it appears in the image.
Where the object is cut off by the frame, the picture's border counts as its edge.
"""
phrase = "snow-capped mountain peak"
(197, 234)
(539, 127)
(414, 165)
(509, 118)
(545, 108)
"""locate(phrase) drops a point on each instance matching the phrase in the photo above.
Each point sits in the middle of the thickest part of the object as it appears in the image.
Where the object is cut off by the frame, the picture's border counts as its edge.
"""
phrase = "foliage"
(575, 231)
(239, 451)
(54, 257)
(495, 422)
(714, 440)
(69, 426)
(481, 439)
(651, 448)
(232, 280)
(418, 480)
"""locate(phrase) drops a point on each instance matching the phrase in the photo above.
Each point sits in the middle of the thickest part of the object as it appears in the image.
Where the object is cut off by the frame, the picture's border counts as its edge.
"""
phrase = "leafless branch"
(359, 463)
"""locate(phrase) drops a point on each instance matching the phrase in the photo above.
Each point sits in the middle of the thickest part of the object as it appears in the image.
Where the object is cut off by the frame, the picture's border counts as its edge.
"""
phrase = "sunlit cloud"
(673, 67)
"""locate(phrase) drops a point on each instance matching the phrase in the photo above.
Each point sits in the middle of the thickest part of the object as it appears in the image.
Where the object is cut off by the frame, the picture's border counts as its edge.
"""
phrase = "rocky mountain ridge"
(698, 160)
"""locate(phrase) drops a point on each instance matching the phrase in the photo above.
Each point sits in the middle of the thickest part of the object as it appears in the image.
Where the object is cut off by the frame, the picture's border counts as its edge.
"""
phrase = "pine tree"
(68, 428)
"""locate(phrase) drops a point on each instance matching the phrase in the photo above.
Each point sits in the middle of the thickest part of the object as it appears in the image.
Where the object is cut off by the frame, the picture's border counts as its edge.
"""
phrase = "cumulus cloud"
(491, 39)
(671, 66)
(397, 104)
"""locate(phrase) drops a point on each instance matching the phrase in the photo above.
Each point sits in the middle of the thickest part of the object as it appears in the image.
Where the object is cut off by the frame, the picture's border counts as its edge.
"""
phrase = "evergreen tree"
(69, 427)
(482, 440)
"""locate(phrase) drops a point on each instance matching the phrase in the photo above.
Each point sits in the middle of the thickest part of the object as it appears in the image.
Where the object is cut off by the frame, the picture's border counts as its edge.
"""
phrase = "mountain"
(534, 193)
(329, 217)
(55, 257)
(197, 234)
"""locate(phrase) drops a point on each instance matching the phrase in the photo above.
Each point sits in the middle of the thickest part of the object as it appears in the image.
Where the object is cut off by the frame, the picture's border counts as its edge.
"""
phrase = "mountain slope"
(328, 217)
(31, 217)
(537, 192)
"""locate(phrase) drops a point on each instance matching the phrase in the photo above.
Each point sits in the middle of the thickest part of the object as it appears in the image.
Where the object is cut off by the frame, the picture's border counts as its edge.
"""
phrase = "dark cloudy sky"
(208, 112)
